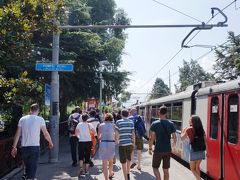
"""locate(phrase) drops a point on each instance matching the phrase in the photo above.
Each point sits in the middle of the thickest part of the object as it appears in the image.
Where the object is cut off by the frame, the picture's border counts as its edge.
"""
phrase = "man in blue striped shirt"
(126, 137)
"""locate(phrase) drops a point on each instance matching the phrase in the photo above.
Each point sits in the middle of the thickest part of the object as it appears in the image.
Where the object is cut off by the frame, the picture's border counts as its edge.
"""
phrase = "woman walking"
(83, 131)
(106, 136)
(197, 140)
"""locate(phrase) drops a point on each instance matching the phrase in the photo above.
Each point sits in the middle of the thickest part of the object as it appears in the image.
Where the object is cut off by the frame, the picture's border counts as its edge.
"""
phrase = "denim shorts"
(198, 155)
(30, 156)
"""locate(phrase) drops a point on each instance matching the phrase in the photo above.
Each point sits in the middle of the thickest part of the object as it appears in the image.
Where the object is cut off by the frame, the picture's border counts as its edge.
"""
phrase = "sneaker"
(133, 165)
(81, 172)
(87, 172)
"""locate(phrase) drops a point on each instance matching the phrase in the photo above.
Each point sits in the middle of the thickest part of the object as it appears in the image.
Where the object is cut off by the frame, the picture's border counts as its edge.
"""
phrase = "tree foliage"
(191, 73)
(228, 58)
(159, 89)
(26, 38)
(19, 20)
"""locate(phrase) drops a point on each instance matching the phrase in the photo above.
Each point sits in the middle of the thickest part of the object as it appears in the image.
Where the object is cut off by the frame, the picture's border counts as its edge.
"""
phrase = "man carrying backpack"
(73, 121)
(140, 130)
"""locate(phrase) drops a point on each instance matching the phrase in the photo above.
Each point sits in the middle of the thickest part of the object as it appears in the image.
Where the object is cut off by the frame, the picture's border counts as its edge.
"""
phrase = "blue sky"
(148, 50)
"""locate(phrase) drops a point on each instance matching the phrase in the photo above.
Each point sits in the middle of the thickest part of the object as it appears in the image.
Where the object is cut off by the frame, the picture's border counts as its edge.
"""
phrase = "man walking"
(29, 128)
(125, 136)
(161, 131)
(139, 132)
(73, 121)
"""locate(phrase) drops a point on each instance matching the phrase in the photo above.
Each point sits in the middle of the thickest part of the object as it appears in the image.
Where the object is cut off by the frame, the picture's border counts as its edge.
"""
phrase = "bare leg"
(124, 168)
(110, 167)
(105, 171)
(157, 173)
(193, 169)
(81, 164)
(166, 174)
(198, 162)
(139, 155)
(128, 166)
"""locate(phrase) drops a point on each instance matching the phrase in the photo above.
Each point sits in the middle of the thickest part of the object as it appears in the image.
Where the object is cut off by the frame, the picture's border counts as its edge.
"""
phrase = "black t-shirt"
(163, 130)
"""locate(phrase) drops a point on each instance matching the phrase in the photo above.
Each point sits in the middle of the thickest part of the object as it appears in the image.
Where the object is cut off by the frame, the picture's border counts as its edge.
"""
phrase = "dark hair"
(92, 113)
(34, 107)
(84, 117)
(197, 125)
(78, 110)
(108, 117)
(163, 110)
(125, 113)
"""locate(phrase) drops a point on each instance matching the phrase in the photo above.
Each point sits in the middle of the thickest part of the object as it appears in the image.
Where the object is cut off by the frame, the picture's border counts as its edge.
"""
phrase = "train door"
(213, 136)
(231, 138)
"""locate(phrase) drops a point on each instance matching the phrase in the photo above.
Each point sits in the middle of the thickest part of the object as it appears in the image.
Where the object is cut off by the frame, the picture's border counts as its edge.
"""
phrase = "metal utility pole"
(100, 91)
(54, 103)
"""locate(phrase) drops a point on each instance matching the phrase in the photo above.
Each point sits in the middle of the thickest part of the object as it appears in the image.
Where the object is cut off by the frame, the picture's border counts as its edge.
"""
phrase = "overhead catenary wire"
(202, 56)
(182, 47)
(176, 10)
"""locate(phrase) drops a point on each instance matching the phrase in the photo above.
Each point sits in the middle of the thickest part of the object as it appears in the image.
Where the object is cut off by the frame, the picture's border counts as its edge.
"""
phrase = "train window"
(169, 111)
(154, 112)
(232, 130)
(177, 111)
(214, 118)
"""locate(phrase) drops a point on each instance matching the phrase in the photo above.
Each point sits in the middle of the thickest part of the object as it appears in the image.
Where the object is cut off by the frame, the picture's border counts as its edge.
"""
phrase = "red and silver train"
(218, 107)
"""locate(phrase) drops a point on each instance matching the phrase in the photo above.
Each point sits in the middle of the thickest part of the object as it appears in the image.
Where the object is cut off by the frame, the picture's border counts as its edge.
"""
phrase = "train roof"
(170, 98)
(223, 87)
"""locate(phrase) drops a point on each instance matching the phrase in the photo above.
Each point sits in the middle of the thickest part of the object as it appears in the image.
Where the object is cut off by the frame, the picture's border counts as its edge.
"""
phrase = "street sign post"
(47, 94)
(53, 67)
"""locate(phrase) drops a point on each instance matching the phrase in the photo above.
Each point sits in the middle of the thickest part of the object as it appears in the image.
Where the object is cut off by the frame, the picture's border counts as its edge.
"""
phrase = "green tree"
(228, 58)
(85, 49)
(191, 73)
(159, 89)
(19, 21)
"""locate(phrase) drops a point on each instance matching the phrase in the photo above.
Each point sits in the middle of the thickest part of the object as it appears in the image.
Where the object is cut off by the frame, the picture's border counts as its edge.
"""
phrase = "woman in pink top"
(193, 132)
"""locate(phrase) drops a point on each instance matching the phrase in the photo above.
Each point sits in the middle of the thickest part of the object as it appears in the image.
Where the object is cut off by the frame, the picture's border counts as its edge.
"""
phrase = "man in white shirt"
(29, 128)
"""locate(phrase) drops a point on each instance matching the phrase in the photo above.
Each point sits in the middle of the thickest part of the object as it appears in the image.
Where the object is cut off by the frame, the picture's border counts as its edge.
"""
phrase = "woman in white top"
(85, 144)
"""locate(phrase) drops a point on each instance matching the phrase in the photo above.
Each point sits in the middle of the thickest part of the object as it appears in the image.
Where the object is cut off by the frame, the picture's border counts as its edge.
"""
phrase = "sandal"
(111, 176)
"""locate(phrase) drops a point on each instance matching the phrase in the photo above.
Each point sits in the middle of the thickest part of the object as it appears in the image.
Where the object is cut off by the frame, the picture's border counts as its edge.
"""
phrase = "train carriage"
(218, 107)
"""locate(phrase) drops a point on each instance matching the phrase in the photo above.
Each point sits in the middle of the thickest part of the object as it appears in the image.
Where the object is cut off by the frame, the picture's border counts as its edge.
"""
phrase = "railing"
(7, 163)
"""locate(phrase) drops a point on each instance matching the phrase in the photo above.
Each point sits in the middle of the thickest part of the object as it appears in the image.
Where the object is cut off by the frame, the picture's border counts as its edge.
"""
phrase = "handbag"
(94, 142)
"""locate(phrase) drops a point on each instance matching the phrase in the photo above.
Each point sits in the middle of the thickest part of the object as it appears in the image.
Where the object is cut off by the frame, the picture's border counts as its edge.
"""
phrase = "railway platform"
(64, 171)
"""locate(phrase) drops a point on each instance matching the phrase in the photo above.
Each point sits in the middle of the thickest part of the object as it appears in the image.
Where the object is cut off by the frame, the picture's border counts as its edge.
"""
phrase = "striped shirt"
(125, 128)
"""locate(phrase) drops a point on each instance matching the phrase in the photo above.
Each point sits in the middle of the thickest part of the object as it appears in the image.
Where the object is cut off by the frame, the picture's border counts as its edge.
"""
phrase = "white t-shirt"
(31, 127)
(84, 134)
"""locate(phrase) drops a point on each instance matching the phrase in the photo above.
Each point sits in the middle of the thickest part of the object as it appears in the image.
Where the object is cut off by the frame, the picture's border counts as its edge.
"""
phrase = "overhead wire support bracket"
(207, 26)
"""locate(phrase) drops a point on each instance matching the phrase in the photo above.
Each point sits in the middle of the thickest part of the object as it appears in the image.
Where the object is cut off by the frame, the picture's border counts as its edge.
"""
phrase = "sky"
(148, 53)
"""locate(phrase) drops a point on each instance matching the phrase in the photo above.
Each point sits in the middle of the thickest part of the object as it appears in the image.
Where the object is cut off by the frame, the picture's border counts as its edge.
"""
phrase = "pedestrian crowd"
(92, 131)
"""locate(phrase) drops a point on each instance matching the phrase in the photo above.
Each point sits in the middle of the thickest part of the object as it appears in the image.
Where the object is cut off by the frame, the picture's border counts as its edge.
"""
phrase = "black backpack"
(73, 123)
(198, 143)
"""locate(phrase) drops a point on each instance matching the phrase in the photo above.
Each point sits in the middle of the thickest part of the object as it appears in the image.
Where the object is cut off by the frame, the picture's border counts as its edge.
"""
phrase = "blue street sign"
(53, 67)
(47, 94)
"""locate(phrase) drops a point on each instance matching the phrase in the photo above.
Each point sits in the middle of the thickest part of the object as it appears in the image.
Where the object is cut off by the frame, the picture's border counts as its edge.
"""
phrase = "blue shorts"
(198, 155)
(30, 156)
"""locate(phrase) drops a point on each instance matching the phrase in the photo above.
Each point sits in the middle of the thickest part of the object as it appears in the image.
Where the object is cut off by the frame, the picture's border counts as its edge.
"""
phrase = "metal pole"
(100, 91)
(54, 105)
(203, 26)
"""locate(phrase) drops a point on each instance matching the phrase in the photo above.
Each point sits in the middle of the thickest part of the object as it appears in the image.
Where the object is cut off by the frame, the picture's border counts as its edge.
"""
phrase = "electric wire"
(182, 47)
(202, 56)
(176, 10)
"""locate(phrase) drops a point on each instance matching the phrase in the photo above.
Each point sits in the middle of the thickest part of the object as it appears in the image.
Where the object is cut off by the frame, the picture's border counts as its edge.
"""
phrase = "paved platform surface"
(64, 171)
